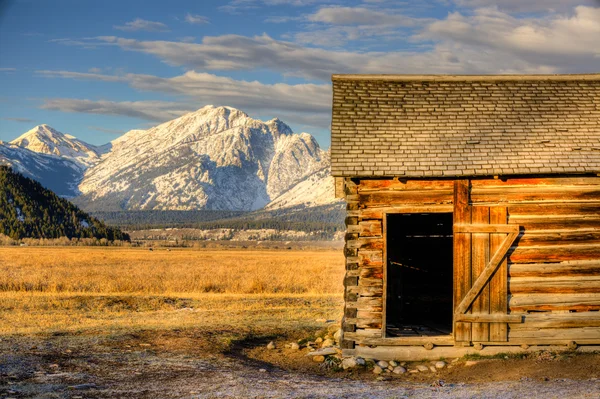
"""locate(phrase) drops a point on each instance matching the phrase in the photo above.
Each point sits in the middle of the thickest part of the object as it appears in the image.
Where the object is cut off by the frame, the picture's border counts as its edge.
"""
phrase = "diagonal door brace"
(489, 270)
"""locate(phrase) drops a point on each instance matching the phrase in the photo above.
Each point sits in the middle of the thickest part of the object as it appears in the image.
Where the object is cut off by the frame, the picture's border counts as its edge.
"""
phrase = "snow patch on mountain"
(44, 139)
(216, 158)
(57, 174)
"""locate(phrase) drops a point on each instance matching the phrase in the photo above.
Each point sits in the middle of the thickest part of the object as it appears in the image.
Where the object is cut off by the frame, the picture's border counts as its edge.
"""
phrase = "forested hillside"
(28, 210)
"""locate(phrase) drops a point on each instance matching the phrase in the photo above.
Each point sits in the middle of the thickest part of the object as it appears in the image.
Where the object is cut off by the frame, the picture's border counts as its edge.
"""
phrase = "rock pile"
(326, 351)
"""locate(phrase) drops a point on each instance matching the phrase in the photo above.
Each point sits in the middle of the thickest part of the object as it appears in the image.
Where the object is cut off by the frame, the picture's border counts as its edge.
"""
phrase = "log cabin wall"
(551, 272)
(445, 138)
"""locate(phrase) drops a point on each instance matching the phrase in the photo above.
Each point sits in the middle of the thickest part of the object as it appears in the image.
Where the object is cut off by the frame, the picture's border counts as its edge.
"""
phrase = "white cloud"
(359, 16)
(142, 24)
(527, 5)
(8, 69)
(158, 111)
(195, 19)
(565, 43)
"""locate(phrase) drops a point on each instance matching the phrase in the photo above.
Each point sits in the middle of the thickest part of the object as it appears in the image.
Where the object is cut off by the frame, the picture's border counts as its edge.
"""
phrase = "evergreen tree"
(28, 210)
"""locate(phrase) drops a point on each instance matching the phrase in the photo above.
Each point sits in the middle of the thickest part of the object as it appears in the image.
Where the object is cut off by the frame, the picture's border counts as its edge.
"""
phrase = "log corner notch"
(349, 191)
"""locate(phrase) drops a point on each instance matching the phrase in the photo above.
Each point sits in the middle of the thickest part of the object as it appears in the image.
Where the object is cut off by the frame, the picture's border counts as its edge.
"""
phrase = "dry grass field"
(94, 322)
(105, 290)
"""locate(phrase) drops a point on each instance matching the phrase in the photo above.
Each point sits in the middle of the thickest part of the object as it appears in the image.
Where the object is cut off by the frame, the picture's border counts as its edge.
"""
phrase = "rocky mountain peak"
(215, 158)
(44, 139)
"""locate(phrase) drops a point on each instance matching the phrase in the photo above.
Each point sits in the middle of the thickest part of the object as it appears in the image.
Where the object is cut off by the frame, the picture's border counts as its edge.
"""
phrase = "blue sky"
(97, 69)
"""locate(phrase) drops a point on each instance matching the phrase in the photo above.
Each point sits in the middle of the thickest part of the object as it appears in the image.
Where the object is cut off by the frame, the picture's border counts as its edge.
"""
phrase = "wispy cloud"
(139, 24)
(8, 69)
(158, 111)
(301, 102)
(21, 120)
(92, 75)
(360, 16)
(195, 19)
(236, 6)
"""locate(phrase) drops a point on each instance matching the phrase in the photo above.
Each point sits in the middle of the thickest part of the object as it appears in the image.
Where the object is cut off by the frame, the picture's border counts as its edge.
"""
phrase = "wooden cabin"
(473, 212)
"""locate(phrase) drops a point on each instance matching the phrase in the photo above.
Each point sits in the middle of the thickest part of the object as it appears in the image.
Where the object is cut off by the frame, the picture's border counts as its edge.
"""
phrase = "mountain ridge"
(215, 158)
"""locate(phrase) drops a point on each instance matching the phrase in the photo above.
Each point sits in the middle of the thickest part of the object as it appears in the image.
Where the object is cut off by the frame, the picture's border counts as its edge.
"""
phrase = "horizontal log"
(374, 323)
(355, 228)
(366, 243)
(555, 333)
(370, 282)
(485, 228)
(369, 301)
(544, 238)
(365, 333)
(370, 257)
(535, 181)
(366, 186)
(550, 302)
(365, 314)
(549, 223)
(563, 269)
(379, 212)
(533, 194)
(406, 197)
(570, 209)
(418, 353)
(488, 318)
(557, 285)
(366, 291)
(375, 272)
(561, 320)
(441, 340)
(557, 253)
(371, 228)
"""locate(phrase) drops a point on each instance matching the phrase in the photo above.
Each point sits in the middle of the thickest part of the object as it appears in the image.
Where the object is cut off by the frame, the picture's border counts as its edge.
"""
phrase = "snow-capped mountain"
(104, 150)
(45, 140)
(57, 174)
(314, 190)
(215, 158)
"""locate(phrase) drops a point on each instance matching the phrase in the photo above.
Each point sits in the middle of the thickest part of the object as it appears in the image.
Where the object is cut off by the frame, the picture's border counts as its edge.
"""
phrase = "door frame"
(442, 208)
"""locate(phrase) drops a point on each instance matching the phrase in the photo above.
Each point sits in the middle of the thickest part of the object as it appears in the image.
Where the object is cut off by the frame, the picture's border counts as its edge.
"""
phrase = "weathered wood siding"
(553, 269)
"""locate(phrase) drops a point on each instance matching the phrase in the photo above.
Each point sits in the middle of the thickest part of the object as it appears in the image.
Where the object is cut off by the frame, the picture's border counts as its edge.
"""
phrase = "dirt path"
(184, 367)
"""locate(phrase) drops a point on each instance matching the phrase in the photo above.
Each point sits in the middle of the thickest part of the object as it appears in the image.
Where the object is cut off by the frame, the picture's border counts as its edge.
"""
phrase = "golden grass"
(109, 290)
(109, 270)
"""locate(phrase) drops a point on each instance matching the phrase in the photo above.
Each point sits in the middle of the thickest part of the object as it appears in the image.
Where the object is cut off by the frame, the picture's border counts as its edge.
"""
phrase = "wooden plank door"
(482, 239)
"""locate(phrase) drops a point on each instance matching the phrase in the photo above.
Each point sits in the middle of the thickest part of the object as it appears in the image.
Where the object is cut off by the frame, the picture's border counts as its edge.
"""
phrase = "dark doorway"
(419, 274)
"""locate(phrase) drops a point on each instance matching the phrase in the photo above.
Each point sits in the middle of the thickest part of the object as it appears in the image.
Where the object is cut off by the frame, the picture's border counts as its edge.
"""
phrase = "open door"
(482, 239)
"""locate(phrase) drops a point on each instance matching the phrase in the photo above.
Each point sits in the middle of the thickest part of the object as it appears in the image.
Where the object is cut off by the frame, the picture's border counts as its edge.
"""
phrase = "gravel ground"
(87, 368)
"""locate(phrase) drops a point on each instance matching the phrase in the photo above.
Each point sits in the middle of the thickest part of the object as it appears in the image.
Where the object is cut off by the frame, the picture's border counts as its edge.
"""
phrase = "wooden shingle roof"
(438, 126)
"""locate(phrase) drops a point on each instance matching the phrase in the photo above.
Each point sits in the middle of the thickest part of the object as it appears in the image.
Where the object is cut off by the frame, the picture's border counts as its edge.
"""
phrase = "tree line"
(28, 210)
